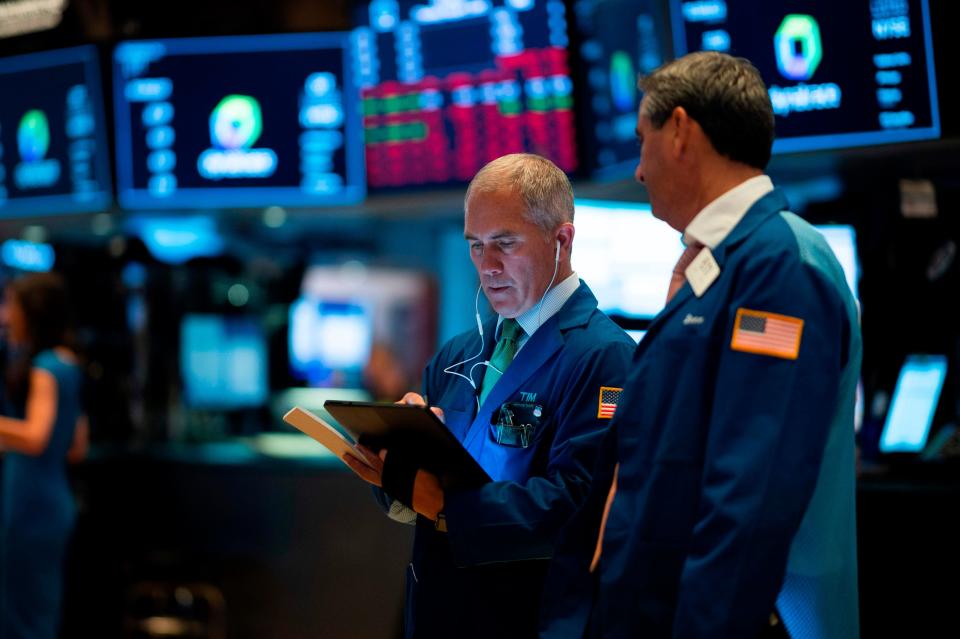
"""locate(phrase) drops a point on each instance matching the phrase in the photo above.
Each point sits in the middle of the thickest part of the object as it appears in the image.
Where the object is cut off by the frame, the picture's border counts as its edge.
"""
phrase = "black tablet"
(415, 432)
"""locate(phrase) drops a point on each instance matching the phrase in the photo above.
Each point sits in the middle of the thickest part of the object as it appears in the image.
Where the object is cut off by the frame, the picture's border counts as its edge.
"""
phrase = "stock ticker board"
(449, 85)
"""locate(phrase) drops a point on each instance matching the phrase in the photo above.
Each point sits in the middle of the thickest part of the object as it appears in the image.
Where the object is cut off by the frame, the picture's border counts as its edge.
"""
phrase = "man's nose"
(490, 263)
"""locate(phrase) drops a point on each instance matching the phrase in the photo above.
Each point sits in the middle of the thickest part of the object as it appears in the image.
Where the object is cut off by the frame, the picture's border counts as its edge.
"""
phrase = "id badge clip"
(515, 423)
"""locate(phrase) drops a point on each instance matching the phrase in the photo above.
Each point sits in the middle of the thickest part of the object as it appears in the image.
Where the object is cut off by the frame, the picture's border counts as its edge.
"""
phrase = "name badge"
(702, 271)
(515, 423)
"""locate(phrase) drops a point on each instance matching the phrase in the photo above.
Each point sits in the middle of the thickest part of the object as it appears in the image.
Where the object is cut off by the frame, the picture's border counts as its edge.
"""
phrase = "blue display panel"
(627, 256)
(330, 341)
(619, 39)
(53, 146)
(237, 121)
(223, 362)
(840, 74)
(914, 404)
(449, 85)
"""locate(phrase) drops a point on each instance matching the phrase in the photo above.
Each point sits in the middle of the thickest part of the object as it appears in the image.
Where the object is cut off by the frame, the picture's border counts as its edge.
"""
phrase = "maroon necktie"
(679, 277)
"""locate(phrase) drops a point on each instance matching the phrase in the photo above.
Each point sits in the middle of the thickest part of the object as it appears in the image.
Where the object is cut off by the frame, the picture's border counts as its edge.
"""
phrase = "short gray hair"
(545, 189)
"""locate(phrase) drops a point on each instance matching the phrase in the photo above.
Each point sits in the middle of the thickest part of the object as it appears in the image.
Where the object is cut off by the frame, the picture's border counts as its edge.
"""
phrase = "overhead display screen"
(237, 121)
(53, 146)
(618, 39)
(840, 74)
(449, 85)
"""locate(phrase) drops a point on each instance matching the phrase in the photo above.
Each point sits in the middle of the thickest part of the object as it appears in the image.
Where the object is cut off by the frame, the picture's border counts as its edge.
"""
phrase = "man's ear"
(682, 125)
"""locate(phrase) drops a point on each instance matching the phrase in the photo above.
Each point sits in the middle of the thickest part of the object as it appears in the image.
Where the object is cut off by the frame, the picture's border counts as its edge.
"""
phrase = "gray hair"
(726, 97)
(545, 189)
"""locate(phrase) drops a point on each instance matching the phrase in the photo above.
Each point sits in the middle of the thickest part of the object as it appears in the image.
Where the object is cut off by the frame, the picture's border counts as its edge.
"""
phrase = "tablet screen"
(913, 404)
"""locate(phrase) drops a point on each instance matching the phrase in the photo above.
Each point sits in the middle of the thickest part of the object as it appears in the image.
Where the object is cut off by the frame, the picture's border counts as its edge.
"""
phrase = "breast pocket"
(516, 424)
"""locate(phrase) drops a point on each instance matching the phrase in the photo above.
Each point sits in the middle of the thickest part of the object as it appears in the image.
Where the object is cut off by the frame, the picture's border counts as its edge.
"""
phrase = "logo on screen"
(35, 171)
(798, 46)
(236, 122)
(235, 125)
(622, 81)
(33, 135)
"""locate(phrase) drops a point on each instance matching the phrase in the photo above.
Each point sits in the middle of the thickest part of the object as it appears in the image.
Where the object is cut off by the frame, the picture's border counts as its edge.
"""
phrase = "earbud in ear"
(556, 256)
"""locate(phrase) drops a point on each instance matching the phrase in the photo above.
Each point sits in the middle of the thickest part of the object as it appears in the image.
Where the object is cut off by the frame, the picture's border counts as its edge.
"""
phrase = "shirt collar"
(553, 301)
(712, 225)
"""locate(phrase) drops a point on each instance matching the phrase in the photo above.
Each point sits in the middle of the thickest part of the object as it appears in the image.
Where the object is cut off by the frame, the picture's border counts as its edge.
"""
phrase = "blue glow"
(148, 89)
(214, 164)
(716, 40)
(162, 184)
(175, 240)
(161, 161)
(223, 361)
(160, 137)
(891, 28)
(896, 119)
(384, 15)
(805, 97)
(27, 256)
(914, 404)
(135, 57)
(37, 174)
(888, 97)
(157, 114)
(321, 84)
(705, 11)
(889, 77)
(449, 10)
(322, 115)
(890, 60)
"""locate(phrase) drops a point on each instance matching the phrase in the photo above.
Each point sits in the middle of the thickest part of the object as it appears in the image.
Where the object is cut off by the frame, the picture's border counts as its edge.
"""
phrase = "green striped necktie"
(503, 353)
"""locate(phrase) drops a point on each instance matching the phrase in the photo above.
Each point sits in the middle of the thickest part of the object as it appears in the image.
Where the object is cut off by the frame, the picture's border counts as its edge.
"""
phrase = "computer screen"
(357, 326)
(914, 404)
(618, 39)
(330, 341)
(223, 362)
(627, 256)
(842, 238)
(53, 144)
(449, 85)
(237, 122)
(839, 74)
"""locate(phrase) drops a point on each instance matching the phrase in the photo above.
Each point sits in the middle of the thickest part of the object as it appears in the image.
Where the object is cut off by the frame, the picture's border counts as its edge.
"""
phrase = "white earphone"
(476, 309)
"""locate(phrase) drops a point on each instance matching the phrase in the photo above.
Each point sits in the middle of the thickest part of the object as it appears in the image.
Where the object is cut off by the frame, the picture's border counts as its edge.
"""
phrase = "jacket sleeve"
(766, 435)
(509, 520)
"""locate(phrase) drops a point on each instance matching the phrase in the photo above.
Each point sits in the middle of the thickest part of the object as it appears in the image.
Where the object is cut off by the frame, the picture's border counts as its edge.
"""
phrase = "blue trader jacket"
(736, 484)
(484, 577)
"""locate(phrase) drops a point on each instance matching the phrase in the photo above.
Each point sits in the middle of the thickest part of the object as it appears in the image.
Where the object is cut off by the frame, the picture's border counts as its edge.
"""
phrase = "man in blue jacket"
(723, 504)
(529, 394)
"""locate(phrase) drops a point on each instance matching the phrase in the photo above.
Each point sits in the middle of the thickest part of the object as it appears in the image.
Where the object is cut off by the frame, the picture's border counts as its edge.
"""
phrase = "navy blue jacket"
(736, 482)
(484, 577)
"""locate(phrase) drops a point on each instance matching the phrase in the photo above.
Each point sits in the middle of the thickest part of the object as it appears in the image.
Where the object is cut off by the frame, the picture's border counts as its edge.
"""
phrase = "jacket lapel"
(541, 346)
(770, 204)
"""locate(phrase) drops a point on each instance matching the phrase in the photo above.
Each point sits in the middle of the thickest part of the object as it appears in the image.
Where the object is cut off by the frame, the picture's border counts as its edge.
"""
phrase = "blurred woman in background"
(40, 428)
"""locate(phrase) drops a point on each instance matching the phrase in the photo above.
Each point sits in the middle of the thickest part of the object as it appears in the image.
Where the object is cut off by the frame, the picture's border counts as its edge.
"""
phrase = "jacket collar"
(762, 210)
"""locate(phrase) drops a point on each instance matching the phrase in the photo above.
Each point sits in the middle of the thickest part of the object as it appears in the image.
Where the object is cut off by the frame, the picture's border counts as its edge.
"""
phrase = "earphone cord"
(476, 308)
(556, 268)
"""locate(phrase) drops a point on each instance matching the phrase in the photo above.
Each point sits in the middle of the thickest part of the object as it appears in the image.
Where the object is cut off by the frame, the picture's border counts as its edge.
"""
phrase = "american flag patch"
(767, 334)
(608, 401)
